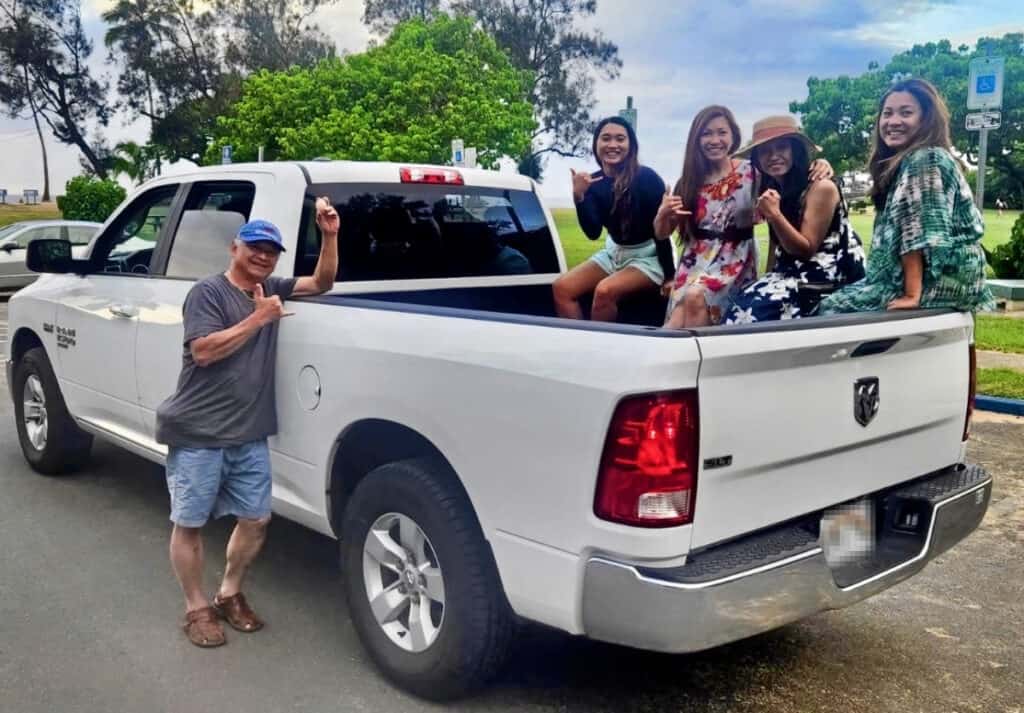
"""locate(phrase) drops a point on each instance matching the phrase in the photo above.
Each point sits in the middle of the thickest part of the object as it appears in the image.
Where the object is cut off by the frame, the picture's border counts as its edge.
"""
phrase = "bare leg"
(246, 541)
(695, 308)
(612, 289)
(568, 288)
(187, 561)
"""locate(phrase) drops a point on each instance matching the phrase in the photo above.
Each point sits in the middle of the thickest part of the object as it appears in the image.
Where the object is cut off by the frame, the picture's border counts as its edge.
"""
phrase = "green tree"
(838, 112)
(404, 100)
(137, 162)
(182, 63)
(46, 40)
(383, 15)
(549, 39)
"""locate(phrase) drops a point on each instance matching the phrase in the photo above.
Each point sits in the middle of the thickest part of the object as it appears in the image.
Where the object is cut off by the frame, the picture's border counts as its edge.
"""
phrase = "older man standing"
(217, 422)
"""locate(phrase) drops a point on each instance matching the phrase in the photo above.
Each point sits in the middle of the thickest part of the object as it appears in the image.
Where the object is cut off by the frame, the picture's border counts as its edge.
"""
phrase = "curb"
(1014, 407)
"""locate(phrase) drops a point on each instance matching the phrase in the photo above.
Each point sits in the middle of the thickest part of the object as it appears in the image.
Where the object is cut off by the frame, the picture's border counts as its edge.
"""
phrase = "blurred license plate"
(848, 532)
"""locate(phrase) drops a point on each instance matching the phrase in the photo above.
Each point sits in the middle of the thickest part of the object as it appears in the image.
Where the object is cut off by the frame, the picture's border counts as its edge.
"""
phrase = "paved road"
(88, 614)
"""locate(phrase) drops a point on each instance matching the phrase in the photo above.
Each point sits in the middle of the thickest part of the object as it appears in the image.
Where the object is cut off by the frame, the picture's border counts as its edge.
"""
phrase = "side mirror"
(8, 247)
(53, 255)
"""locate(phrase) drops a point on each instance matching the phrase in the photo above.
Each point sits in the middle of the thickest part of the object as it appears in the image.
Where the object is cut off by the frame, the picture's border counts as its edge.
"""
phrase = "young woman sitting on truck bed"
(621, 198)
(712, 207)
(926, 243)
(813, 248)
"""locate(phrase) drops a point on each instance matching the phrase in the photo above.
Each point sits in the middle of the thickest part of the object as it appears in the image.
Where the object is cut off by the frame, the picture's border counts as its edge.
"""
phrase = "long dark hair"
(792, 185)
(696, 166)
(933, 131)
(630, 168)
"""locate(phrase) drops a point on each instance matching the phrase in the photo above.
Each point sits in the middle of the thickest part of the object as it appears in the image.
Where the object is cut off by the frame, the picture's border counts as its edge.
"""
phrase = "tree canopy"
(838, 112)
(548, 38)
(404, 100)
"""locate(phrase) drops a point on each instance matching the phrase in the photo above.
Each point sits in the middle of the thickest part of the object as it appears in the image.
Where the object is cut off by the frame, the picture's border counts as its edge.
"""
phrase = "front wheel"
(51, 441)
(421, 583)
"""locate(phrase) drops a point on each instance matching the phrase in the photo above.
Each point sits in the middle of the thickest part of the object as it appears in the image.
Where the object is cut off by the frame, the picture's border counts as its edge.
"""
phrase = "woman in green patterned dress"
(926, 243)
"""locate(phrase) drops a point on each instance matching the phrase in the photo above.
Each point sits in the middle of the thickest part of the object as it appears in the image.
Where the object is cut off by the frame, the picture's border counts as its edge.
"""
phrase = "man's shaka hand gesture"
(327, 217)
(268, 309)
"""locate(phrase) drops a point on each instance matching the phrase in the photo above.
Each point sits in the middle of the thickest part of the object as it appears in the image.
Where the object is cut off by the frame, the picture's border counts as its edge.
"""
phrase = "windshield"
(410, 231)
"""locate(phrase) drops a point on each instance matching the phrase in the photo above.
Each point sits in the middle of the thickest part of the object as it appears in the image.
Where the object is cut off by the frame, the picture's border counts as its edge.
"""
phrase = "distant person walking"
(1000, 205)
(217, 422)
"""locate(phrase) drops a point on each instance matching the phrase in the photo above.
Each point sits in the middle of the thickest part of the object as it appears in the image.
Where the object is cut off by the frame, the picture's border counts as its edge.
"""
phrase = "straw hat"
(774, 127)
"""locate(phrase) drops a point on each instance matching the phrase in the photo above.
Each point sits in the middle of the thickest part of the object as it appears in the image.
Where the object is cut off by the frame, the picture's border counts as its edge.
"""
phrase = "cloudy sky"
(678, 56)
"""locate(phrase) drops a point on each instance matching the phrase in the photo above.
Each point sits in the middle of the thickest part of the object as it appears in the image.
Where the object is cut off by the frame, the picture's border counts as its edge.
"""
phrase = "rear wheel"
(422, 587)
(50, 439)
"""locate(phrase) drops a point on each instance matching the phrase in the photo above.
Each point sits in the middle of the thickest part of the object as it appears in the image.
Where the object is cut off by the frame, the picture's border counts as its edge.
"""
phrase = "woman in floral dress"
(814, 247)
(712, 207)
(926, 249)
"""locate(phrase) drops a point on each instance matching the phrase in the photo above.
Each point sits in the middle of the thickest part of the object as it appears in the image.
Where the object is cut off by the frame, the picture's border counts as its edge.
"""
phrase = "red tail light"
(648, 475)
(441, 176)
(972, 389)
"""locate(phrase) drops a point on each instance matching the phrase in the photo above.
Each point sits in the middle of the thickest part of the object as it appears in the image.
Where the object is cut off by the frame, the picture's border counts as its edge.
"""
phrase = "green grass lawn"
(578, 248)
(14, 213)
(1001, 334)
(1001, 382)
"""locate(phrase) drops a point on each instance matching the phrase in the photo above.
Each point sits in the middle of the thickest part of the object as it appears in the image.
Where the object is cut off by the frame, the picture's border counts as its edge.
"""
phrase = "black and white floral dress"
(794, 287)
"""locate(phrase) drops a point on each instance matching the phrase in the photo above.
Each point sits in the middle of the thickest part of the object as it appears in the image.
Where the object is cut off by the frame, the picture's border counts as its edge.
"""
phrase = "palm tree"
(137, 162)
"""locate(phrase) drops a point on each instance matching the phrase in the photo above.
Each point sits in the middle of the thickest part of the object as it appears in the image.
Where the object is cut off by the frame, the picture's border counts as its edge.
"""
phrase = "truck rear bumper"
(768, 579)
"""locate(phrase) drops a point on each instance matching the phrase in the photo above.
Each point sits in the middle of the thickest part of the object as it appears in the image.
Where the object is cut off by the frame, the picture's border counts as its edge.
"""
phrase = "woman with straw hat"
(813, 248)
(712, 208)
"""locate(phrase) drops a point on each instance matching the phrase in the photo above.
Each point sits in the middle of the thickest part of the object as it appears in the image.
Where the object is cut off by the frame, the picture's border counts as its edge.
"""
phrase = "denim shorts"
(205, 482)
(644, 257)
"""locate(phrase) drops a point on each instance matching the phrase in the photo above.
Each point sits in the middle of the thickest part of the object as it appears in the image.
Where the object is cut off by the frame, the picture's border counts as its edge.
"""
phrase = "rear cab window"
(414, 231)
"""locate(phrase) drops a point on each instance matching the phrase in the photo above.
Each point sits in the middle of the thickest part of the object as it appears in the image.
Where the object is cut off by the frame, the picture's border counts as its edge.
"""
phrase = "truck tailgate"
(794, 409)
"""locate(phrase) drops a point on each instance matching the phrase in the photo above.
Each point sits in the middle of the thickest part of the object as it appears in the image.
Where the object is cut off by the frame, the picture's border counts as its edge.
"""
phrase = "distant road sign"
(985, 83)
(225, 154)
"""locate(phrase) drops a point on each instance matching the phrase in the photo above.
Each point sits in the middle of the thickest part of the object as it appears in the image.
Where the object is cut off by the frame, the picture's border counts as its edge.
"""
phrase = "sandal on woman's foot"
(237, 612)
(202, 627)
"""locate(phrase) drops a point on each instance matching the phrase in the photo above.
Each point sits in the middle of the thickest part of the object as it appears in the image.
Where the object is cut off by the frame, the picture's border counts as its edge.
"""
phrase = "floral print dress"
(928, 208)
(715, 259)
(778, 294)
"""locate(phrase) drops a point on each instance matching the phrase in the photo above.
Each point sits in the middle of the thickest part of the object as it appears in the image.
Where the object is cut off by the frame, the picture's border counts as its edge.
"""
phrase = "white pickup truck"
(481, 460)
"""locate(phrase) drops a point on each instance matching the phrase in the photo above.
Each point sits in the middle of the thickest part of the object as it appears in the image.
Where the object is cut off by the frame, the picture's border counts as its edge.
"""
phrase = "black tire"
(66, 446)
(477, 628)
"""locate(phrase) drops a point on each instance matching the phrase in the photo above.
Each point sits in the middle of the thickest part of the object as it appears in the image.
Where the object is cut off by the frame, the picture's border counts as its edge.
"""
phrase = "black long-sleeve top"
(595, 213)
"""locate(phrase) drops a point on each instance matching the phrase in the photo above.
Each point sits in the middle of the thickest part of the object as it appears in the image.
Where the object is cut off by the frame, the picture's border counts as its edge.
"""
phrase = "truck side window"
(213, 213)
(417, 231)
(126, 246)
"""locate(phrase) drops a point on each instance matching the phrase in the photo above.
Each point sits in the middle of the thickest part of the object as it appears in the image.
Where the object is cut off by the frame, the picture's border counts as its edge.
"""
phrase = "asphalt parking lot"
(89, 617)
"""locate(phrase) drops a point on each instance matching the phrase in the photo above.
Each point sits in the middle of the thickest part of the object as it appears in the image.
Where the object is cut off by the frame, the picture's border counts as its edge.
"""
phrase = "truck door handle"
(125, 311)
(879, 346)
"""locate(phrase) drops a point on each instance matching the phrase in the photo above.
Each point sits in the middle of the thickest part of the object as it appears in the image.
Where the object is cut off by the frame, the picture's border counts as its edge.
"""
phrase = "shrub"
(1007, 260)
(87, 198)
(860, 205)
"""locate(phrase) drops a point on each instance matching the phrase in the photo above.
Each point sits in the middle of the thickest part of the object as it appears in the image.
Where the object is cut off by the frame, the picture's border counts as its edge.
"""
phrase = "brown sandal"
(237, 612)
(203, 628)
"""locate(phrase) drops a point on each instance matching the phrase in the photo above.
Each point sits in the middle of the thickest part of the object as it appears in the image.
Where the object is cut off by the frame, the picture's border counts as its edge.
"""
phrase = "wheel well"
(24, 339)
(366, 445)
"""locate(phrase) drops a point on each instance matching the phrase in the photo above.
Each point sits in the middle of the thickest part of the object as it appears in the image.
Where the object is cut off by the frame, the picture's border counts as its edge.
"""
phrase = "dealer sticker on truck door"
(848, 532)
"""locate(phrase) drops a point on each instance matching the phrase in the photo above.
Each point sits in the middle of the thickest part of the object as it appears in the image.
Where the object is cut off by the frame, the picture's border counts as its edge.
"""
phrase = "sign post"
(629, 113)
(985, 93)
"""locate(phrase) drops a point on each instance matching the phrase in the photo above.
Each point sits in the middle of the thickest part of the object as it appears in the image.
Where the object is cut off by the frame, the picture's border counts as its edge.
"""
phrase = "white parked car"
(14, 238)
(481, 459)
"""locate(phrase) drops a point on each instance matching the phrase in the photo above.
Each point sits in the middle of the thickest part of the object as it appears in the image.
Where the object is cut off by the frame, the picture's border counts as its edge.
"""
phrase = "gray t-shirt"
(229, 402)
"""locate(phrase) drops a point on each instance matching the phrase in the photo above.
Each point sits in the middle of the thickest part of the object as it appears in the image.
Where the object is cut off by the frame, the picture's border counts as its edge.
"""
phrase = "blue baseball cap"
(261, 231)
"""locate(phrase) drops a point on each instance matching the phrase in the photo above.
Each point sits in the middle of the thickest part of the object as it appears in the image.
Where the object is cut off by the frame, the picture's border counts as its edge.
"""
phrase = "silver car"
(14, 238)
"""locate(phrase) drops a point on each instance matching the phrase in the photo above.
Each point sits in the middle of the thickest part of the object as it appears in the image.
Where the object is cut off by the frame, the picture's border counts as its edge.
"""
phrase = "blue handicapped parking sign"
(986, 84)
